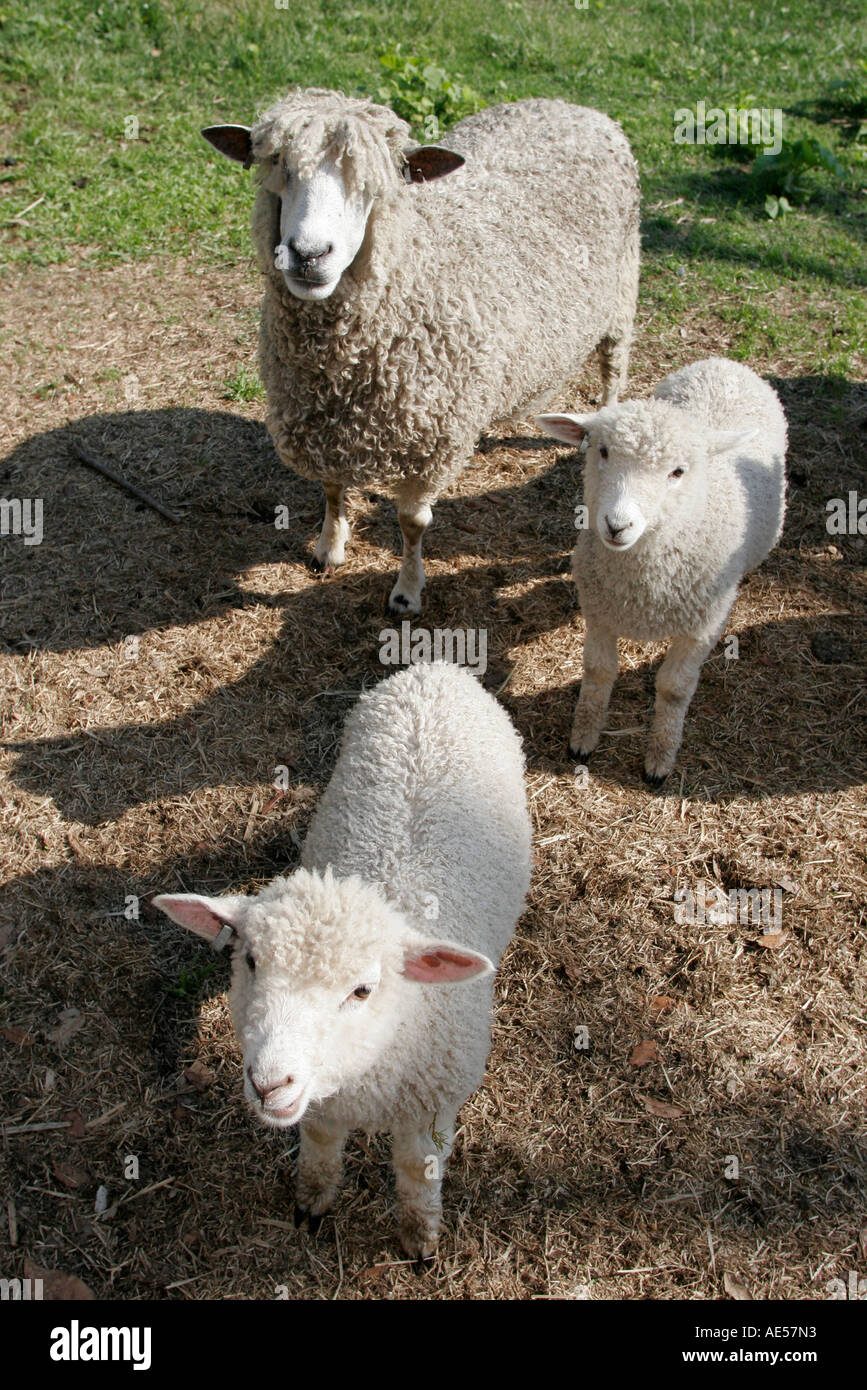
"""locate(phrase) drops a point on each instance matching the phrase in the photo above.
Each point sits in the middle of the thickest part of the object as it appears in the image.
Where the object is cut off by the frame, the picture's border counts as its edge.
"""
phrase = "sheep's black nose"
(309, 253)
(615, 530)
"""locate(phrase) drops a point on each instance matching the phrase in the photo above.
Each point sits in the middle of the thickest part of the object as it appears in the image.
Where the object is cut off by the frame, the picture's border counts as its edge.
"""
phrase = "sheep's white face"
(644, 460)
(322, 977)
(322, 228)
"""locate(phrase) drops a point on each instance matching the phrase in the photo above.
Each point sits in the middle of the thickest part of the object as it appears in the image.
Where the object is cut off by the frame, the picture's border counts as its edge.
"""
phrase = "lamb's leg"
(414, 514)
(597, 682)
(675, 686)
(320, 1169)
(419, 1162)
(331, 546)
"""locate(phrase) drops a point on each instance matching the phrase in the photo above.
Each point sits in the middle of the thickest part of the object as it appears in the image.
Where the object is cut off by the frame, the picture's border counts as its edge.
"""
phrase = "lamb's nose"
(263, 1091)
(616, 530)
(309, 253)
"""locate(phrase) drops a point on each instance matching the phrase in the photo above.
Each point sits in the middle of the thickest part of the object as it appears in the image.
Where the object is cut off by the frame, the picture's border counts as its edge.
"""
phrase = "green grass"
(75, 77)
(244, 386)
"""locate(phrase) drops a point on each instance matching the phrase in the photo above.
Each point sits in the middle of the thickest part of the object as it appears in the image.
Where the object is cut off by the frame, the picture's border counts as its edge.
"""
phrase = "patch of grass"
(244, 386)
(101, 108)
(190, 983)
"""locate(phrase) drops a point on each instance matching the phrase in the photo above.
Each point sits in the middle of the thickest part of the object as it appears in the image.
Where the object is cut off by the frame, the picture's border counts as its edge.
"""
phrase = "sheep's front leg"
(675, 686)
(419, 1156)
(414, 514)
(331, 546)
(320, 1169)
(597, 682)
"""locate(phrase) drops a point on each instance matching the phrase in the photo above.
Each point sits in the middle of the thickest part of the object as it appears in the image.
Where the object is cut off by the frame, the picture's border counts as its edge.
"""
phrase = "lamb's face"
(319, 982)
(322, 226)
(639, 468)
(644, 460)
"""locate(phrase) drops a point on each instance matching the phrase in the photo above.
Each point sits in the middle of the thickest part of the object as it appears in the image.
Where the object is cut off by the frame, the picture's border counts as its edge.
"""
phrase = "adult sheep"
(402, 315)
(686, 494)
(362, 984)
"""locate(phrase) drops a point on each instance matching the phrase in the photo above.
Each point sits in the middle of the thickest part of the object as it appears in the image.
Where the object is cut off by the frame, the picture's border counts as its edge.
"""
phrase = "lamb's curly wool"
(434, 330)
(361, 984)
(722, 427)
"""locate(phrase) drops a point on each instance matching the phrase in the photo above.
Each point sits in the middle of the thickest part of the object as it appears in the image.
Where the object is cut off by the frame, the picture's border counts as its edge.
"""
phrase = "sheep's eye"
(250, 961)
(603, 451)
(676, 473)
(362, 992)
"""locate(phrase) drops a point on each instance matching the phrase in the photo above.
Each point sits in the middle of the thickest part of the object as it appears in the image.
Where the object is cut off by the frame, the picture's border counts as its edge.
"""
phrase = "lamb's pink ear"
(570, 428)
(231, 140)
(441, 962)
(205, 916)
(430, 162)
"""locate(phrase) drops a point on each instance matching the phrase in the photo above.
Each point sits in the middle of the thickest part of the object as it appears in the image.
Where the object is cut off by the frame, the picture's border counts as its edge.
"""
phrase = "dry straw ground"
(132, 766)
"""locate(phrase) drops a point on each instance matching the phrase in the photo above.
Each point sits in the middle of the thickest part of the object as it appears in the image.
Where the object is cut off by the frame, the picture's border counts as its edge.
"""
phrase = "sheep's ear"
(231, 140)
(721, 441)
(430, 162)
(206, 917)
(442, 962)
(570, 428)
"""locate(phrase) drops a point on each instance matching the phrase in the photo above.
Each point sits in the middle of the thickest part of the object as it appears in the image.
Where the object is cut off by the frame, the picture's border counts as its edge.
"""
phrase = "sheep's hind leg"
(414, 514)
(614, 363)
(597, 682)
(331, 546)
(676, 681)
(320, 1169)
(419, 1157)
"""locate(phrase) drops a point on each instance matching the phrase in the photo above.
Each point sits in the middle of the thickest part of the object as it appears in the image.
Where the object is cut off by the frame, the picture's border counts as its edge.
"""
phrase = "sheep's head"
(645, 462)
(322, 976)
(327, 158)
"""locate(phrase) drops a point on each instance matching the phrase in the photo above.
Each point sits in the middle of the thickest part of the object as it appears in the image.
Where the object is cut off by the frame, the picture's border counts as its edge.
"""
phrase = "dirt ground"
(155, 674)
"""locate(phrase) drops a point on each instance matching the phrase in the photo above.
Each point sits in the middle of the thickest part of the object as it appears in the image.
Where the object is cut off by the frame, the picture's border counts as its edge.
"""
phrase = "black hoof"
(580, 755)
(299, 1216)
(422, 1263)
(317, 565)
(652, 780)
(398, 604)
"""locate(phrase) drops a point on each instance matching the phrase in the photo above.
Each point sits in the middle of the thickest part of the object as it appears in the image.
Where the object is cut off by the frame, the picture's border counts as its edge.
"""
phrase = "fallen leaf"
(788, 885)
(19, 1036)
(69, 1022)
(198, 1075)
(58, 1287)
(373, 1272)
(573, 971)
(662, 1004)
(736, 1290)
(70, 1175)
(644, 1052)
(773, 940)
(663, 1108)
(862, 1240)
(77, 1128)
(100, 1203)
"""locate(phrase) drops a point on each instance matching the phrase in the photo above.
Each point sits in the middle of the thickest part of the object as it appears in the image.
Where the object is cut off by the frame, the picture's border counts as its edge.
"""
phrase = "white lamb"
(685, 493)
(345, 979)
(401, 312)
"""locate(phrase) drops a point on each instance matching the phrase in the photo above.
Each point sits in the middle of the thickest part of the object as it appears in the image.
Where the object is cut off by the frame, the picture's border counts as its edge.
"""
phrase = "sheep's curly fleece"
(435, 329)
(674, 584)
(427, 798)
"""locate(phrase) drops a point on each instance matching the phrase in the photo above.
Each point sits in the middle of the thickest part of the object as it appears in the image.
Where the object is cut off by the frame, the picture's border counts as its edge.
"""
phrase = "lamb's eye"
(603, 451)
(362, 992)
(251, 964)
(676, 473)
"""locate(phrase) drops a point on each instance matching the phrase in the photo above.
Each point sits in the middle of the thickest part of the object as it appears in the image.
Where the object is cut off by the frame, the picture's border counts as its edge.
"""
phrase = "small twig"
(31, 1129)
(23, 214)
(122, 482)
